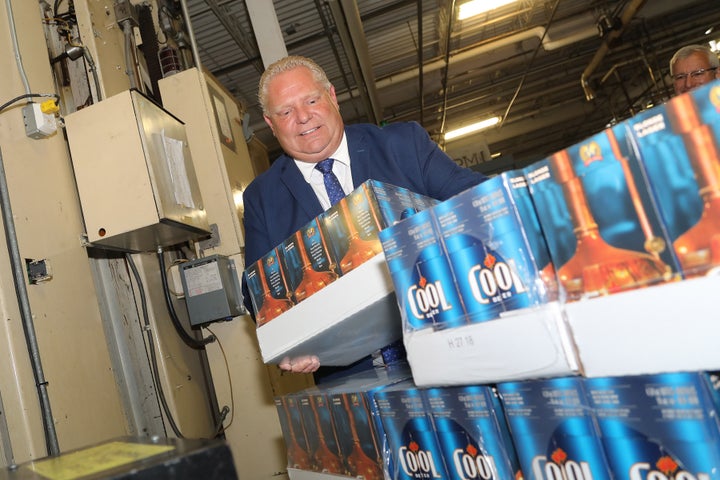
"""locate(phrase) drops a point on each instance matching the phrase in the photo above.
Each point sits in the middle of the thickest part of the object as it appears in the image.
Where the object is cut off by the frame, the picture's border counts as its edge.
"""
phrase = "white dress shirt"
(341, 169)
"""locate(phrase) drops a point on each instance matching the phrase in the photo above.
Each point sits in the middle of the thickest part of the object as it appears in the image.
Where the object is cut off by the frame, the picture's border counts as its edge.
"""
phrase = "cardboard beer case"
(554, 429)
(678, 145)
(472, 432)
(599, 218)
(337, 283)
(658, 426)
(413, 446)
(496, 251)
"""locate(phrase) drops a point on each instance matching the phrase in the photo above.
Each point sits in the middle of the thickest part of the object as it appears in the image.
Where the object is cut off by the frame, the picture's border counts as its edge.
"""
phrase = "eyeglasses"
(682, 77)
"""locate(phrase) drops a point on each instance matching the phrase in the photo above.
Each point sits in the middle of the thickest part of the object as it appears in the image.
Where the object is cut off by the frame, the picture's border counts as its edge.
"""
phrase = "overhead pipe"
(357, 34)
(446, 73)
(528, 66)
(549, 42)
(336, 53)
(191, 34)
(421, 87)
(578, 28)
(349, 27)
(630, 10)
(16, 47)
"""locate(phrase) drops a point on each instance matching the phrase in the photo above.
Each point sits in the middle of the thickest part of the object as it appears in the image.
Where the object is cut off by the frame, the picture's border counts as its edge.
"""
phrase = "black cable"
(448, 38)
(30, 95)
(221, 416)
(153, 358)
(529, 64)
(190, 341)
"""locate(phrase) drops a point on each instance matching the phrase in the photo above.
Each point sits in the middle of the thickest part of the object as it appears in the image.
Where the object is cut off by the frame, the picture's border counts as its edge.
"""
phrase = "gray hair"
(688, 50)
(285, 65)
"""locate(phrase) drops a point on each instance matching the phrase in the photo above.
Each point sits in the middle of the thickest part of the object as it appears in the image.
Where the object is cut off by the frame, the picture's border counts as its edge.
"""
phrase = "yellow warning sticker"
(95, 459)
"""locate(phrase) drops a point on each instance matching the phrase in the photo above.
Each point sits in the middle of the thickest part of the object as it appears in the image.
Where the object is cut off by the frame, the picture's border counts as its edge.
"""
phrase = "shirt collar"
(341, 155)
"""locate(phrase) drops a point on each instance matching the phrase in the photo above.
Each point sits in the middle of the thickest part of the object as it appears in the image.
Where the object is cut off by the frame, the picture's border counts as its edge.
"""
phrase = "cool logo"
(641, 471)
(427, 299)
(468, 467)
(487, 282)
(567, 470)
(416, 463)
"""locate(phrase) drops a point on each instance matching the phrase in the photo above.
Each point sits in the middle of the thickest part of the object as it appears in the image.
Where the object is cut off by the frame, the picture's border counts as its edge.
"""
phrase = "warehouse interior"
(96, 341)
(555, 71)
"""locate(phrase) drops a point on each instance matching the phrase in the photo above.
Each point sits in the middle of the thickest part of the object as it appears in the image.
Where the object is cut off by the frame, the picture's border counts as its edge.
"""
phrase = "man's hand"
(304, 364)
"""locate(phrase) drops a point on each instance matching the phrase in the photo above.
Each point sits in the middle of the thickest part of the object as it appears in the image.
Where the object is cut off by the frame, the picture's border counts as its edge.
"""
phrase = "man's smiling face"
(303, 116)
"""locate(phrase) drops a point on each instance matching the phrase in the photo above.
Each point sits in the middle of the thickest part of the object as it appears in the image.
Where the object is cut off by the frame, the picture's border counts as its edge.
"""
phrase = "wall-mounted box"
(211, 286)
(134, 174)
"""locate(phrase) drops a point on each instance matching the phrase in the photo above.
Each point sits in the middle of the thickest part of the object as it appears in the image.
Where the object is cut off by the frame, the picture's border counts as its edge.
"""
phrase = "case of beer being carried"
(326, 290)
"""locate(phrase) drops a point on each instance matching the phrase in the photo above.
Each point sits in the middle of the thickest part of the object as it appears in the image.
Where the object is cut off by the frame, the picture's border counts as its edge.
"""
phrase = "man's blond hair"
(284, 65)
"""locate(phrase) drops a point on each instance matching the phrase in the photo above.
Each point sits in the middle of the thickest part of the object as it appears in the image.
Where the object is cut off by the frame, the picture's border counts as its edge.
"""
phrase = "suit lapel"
(299, 188)
(359, 152)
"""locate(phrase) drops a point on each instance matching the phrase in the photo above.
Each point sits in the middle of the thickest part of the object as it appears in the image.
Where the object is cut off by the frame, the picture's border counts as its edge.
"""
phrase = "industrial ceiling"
(556, 71)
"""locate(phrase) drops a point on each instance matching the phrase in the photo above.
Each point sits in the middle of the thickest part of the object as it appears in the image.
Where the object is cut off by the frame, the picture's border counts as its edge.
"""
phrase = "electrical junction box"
(212, 289)
(38, 124)
(135, 175)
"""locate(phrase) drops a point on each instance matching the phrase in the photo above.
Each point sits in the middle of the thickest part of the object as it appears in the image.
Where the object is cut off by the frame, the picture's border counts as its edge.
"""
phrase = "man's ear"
(269, 122)
(331, 92)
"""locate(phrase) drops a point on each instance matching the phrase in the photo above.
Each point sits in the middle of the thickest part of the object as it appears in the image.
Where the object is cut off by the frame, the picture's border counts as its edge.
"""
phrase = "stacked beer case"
(333, 428)
(643, 426)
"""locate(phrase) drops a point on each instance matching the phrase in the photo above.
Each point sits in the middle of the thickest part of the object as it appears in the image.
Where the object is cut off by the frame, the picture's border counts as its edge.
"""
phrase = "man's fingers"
(304, 364)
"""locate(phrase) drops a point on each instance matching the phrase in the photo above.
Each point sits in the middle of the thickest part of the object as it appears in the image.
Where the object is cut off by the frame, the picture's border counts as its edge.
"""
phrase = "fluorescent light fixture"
(482, 125)
(476, 7)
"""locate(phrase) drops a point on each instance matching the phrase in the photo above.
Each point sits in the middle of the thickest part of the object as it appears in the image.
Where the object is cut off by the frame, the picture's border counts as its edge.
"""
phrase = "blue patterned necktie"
(332, 184)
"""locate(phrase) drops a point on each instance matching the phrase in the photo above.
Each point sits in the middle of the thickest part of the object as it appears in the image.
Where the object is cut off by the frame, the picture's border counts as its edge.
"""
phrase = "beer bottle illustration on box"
(275, 298)
(545, 283)
(322, 458)
(308, 276)
(698, 249)
(353, 227)
(251, 277)
(327, 459)
(297, 453)
(602, 230)
(357, 435)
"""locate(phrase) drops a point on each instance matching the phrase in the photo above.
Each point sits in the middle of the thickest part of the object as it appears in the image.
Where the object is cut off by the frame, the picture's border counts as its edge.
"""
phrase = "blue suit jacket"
(279, 202)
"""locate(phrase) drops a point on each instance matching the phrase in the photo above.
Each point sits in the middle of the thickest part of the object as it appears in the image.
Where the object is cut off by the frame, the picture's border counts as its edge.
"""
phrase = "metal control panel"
(212, 289)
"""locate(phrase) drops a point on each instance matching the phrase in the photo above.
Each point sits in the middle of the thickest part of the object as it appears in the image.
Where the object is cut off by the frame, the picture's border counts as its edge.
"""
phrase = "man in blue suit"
(300, 106)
